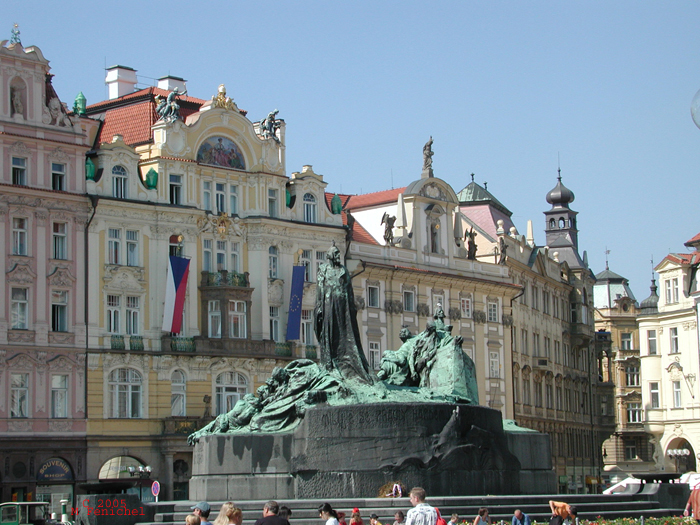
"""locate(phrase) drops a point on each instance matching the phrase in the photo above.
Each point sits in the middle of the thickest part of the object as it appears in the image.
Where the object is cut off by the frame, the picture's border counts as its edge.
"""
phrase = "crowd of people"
(420, 514)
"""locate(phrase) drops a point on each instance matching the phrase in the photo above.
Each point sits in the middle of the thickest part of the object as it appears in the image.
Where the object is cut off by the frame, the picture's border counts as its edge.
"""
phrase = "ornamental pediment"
(124, 278)
(61, 277)
(21, 273)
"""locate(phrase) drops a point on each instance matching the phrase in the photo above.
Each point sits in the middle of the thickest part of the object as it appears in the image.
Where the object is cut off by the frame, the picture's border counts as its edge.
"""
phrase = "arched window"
(119, 182)
(309, 208)
(273, 254)
(125, 393)
(178, 388)
(552, 224)
(230, 387)
(562, 223)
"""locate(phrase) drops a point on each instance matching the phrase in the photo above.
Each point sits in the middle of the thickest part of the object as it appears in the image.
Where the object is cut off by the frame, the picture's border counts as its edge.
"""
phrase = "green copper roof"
(475, 194)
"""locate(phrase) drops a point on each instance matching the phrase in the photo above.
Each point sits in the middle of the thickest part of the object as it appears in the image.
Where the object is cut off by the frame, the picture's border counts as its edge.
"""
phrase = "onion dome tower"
(560, 225)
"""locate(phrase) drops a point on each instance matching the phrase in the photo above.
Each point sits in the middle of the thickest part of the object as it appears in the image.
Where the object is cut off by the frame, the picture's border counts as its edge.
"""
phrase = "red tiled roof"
(360, 234)
(373, 199)
(137, 95)
(343, 199)
(694, 240)
(485, 217)
(683, 258)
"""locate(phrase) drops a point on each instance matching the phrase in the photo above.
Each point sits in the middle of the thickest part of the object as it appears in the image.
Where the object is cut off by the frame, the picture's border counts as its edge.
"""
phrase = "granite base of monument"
(351, 451)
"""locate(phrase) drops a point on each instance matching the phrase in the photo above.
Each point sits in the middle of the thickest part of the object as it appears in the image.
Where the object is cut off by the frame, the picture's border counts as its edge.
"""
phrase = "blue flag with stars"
(294, 319)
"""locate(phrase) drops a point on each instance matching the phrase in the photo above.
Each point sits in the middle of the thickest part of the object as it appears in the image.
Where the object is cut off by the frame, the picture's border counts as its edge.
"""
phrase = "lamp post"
(142, 473)
(677, 453)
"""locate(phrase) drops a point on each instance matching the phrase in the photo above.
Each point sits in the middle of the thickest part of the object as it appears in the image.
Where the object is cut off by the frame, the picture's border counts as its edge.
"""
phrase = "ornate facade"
(43, 315)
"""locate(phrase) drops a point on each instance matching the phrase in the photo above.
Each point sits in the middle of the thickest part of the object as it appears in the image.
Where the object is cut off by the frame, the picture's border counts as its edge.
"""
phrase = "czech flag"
(175, 288)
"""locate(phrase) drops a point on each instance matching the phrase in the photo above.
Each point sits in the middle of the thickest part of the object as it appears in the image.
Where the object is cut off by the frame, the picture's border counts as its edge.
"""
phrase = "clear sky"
(504, 88)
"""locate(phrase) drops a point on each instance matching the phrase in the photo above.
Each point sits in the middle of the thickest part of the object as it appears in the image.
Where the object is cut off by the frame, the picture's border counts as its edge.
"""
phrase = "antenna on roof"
(607, 252)
(392, 178)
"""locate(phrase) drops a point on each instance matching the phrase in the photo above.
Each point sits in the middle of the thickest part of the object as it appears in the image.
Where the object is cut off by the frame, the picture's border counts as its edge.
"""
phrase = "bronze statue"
(169, 110)
(269, 126)
(388, 222)
(471, 245)
(503, 249)
(428, 155)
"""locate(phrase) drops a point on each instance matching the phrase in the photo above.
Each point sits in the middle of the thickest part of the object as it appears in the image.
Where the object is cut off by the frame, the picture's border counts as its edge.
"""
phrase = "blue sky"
(503, 87)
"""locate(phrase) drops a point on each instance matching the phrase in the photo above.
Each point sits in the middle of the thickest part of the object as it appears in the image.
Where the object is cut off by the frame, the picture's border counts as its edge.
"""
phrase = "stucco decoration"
(124, 278)
(21, 273)
(60, 426)
(59, 155)
(60, 363)
(221, 151)
(21, 362)
(20, 148)
(61, 277)
(274, 292)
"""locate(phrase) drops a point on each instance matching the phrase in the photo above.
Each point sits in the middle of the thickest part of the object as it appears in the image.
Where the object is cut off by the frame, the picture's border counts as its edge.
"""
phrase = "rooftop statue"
(428, 155)
(429, 367)
(388, 221)
(168, 109)
(269, 126)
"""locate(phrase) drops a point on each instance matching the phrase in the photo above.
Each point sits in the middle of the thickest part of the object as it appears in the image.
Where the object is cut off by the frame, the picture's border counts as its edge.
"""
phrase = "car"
(25, 513)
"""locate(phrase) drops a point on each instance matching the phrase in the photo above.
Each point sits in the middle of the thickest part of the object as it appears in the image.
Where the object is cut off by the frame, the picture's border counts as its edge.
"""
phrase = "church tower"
(560, 226)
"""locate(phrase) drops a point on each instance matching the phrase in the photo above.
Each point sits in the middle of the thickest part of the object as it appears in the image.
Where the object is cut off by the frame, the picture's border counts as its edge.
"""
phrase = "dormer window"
(119, 182)
(310, 208)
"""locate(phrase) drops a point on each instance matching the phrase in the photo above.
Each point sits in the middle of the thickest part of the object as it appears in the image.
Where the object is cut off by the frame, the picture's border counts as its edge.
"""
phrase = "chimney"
(169, 83)
(121, 81)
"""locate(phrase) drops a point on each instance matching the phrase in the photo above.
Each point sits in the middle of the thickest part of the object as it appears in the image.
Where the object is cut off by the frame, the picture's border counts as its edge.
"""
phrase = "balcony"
(178, 344)
(225, 278)
(284, 349)
(183, 426)
(310, 352)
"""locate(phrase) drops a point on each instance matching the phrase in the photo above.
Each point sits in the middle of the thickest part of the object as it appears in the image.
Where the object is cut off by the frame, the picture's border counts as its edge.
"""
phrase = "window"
(230, 387)
(493, 312)
(19, 236)
(549, 396)
(494, 365)
(178, 388)
(516, 390)
(206, 195)
(538, 394)
(233, 199)
(545, 302)
(114, 245)
(557, 352)
(59, 241)
(466, 307)
(547, 347)
(59, 396)
(373, 296)
(526, 288)
(307, 327)
(375, 355)
(567, 399)
(634, 412)
(555, 304)
(272, 202)
(237, 319)
(603, 405)
(207, 245)
(673, 333)
(651, 341)
(654, 395)
(524, 342)
(630, 450)
(119, 182)
(220, 197)
(305, 260)
(677, 394)
(214, 310)
(672, 290)
(309, 208)
(273, 260)
(235, 252)
(175, 245)
(409, 301)
(535, 297)
(435, 236)
(125, 393)
(132, 315)
(175, 189)
(59, 311)
(19, 309)
(320, 259)
(221, 255)
(566, 354)
(58, 176)
(19, 395)
(275, 323)
(526, 391)
(626, 341)
(19, 171)
(132, 248)
(113, 314)
(536, 345)
(558, 397)
(632, 376)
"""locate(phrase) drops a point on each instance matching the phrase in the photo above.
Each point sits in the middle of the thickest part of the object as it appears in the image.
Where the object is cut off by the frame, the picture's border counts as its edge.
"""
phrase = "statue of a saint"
(471, 245)
(428, 155)
(388, 222)
(503, 249)
(335, 319)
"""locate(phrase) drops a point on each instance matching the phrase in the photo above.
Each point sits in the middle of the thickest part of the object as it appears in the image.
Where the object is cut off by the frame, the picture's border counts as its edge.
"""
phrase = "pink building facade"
(43, 215)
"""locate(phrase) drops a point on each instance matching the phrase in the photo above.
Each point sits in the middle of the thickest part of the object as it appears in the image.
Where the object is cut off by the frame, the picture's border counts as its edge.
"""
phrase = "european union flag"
(294, 319)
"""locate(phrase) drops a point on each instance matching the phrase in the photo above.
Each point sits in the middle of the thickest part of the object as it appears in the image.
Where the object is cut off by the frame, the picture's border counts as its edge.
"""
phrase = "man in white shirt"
(421, 513)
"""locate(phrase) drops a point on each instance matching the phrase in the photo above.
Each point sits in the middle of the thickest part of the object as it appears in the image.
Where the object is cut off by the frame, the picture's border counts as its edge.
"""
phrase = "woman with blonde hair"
(229, 515)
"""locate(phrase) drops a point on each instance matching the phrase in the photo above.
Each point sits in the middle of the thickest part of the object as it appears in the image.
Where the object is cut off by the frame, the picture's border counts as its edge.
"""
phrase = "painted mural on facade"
(220, 151)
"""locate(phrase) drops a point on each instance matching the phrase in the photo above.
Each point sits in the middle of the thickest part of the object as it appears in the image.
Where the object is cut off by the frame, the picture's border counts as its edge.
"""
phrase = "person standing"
(519, 518)
(270, 515)
(693, 505)
(327, 513)
(202, 509)
(421, 513)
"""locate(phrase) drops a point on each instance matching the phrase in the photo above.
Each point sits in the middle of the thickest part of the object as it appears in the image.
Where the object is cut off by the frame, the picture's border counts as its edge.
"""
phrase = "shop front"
(54, 482)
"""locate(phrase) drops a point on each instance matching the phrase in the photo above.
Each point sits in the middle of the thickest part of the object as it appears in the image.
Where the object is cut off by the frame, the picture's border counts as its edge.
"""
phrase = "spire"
(607, 252)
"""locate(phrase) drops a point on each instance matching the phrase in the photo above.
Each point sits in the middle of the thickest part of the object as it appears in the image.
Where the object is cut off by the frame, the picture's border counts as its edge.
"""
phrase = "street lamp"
(142, 473)
(677, 453)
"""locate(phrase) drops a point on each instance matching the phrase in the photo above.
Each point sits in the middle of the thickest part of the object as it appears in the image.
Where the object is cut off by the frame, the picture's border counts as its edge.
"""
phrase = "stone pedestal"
(353, 450)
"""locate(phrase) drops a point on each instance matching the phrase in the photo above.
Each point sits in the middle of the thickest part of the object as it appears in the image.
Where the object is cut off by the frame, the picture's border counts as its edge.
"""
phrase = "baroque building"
(43, 317)
(668, 347)
(177, 175)
(555, 361)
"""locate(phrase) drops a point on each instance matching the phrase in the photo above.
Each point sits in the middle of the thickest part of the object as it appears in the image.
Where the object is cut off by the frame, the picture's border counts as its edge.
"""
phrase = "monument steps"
(500, 507)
